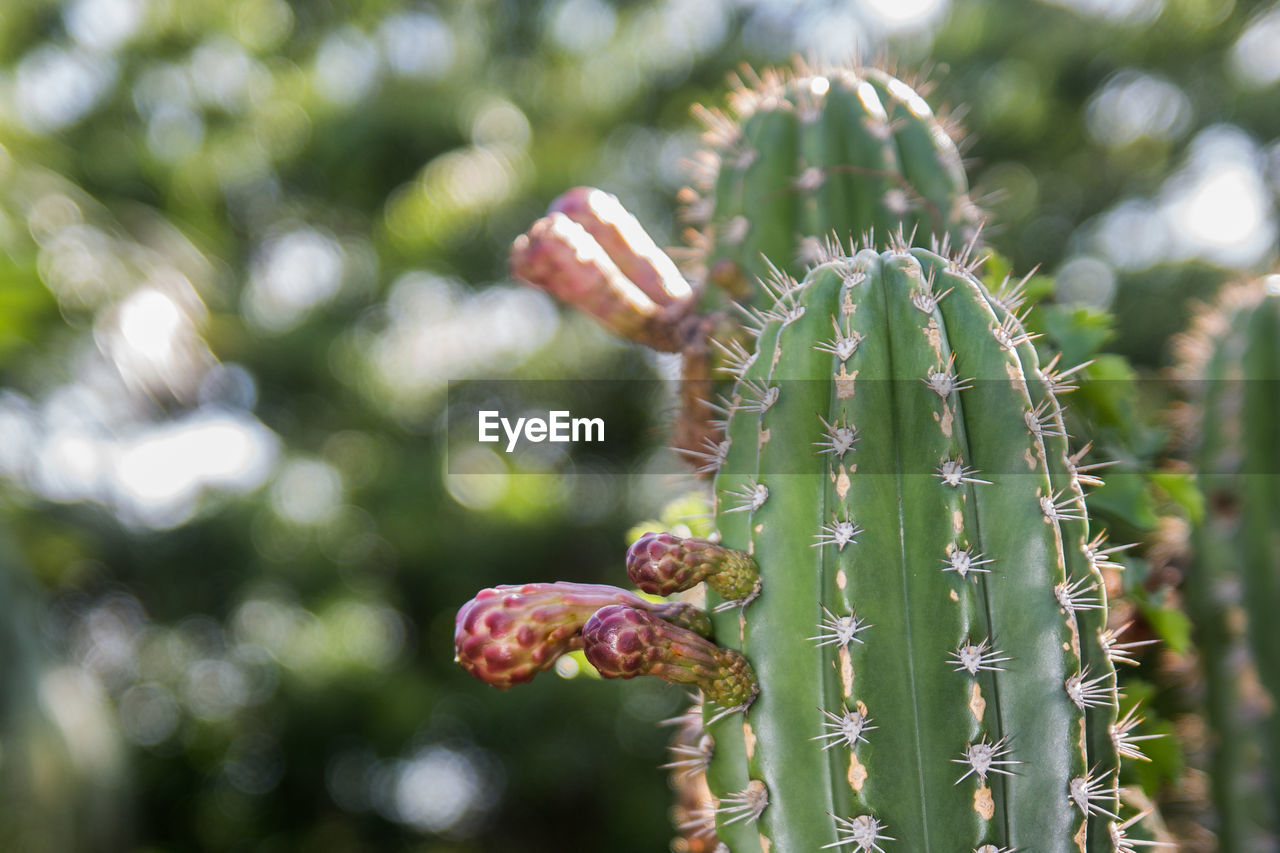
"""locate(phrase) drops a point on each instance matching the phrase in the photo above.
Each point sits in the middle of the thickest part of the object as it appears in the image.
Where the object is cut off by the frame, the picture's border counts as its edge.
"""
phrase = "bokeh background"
(246, 245)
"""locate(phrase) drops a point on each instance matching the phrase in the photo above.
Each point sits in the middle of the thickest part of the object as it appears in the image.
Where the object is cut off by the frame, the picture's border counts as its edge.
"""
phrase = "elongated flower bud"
(623, 642)
(605, 266)
(661, 563)
(626, 242)
(508, 634)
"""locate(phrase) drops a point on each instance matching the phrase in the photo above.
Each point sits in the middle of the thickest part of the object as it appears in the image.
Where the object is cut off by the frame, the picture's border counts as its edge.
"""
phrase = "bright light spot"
(899, 15)
(346, 66)
(19, 434)
(567, 667)
(611, 211)
(174, 133)
(76, 703)
(1133, 235)
(56, 87)
(69, 467)
(371, 636)
(918, 105)
(829, 33)
(417, 44)
(149, 322)
(292, 274)
(223, 75)
(149, 714)
(1255, 58)
(306, 492)
(477, 478)
(435, 332)
(103, 25)
(160, 474)
(1087, 281)
(1272, 284)
(1219, 206)
(1132, 105)
(498, 121)
(1118, 11)
(581, 26)
(819, 86)
(437, 790)
(214, 689)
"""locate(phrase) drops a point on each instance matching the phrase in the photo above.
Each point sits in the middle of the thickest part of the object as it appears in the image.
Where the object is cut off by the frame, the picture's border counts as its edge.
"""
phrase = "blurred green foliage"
(244, 248)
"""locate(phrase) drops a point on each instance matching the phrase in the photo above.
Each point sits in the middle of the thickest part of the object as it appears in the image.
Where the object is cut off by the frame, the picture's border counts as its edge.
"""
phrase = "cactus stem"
(962, 561)
(746, 805)
(847, 727)
(1088, 692)
(1086, 792)
(840, 532)
(953, 472)
(983, 758)
(863, 830)
(839, 630)
(840, 437)
(1077, 596)
(982, 657)
(1058, 508)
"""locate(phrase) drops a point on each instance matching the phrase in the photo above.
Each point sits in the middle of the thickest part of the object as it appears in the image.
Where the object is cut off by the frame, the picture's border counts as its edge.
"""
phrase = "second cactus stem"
(929, 630)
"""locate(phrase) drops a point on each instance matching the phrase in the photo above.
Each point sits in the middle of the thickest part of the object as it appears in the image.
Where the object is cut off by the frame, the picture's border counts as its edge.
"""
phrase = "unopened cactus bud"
(662, 564)
(590, 253)
(623, 642)
(626, 242)
(508, 634)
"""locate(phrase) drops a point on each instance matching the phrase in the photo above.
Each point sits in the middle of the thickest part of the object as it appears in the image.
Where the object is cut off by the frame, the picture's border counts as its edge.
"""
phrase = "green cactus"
(1232, 358)
(910, 637)
(912, 646)
(801, 155)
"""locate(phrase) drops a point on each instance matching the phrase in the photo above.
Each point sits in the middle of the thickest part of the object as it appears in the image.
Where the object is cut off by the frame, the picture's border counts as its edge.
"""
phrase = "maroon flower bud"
(508, 634)
(563, 255)
(623, 642)
(661, 563)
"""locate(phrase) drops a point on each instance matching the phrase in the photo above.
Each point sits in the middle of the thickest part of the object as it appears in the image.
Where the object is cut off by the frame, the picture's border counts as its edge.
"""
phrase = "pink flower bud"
(508, 634)
(623, 642)
(662, 563)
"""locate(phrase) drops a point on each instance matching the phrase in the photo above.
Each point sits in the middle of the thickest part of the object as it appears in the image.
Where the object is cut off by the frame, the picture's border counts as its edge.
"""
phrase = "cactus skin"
(899, 684)
(802, 155)
(1232, 357)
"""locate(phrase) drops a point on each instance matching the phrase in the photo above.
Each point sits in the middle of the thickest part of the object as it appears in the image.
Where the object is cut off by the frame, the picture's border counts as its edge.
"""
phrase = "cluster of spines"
(1090, 687)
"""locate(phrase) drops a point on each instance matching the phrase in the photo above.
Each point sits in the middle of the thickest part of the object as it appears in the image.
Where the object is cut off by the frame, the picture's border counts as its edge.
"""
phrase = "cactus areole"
(910, 649)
